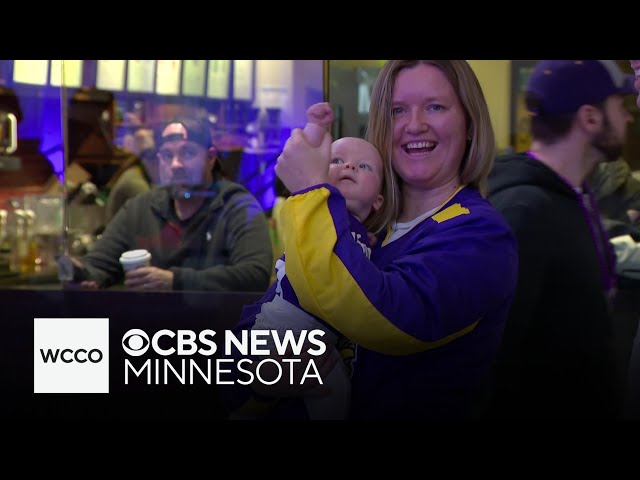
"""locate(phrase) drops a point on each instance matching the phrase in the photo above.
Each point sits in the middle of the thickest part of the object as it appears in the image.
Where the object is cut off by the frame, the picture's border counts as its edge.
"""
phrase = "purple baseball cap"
(563, 86)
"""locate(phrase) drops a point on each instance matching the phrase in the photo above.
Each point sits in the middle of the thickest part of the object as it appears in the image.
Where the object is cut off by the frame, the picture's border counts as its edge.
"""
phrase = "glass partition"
(31, 168)
(88, 135)
(350, 83)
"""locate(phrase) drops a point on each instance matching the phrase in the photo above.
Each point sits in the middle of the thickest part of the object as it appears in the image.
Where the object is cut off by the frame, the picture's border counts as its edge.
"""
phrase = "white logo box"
(71, 355)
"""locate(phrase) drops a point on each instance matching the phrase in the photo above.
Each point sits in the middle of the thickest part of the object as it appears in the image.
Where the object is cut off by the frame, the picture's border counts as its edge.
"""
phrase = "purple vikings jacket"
(427, 311)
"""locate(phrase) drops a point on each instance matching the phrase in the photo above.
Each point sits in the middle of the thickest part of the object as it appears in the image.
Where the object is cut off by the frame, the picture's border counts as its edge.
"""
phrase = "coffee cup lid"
(133, 256)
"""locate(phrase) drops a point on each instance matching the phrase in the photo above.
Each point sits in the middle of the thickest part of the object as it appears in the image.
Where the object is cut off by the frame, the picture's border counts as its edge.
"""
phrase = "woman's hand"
(300, 165)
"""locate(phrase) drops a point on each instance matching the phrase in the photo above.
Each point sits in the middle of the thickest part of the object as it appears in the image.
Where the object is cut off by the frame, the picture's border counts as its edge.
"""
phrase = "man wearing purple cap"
(203, 232)
(556, 358)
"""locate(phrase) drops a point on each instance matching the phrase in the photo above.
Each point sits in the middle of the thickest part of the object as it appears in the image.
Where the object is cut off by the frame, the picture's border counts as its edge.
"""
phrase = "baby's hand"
(320, 114)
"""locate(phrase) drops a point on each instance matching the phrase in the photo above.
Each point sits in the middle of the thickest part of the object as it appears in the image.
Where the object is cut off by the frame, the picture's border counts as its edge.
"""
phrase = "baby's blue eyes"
(362, 166)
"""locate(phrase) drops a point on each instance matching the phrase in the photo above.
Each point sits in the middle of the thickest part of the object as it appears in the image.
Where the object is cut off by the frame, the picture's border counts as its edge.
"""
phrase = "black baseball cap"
(195, 130)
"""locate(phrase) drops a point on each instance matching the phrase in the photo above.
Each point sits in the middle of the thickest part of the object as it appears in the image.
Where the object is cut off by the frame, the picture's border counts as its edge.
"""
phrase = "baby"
(356, 170)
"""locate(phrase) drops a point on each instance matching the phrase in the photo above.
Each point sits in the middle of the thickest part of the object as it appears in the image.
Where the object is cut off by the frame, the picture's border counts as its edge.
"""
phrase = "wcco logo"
(71, 355)
(67, 355)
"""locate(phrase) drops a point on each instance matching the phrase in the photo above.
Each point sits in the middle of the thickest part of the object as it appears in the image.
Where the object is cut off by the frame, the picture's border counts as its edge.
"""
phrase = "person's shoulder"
(229, 188)
(469, 207)
(518, 180)
(132, 181)
(236, 195)
(156, 197)
(530, 197)
(135, 172)
(467, 217)
(534, 212)
(467, 229)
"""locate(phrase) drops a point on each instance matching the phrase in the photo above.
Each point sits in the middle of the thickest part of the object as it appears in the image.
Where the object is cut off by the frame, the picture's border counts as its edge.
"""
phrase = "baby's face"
(356, 170)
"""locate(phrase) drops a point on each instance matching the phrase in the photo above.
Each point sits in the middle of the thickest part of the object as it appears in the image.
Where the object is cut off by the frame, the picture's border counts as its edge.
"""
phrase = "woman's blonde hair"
(378, 220)
(481, 149)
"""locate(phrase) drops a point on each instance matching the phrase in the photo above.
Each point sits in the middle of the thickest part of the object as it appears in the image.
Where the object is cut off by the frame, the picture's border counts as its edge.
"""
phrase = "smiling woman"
(429, 136)
(427, 312)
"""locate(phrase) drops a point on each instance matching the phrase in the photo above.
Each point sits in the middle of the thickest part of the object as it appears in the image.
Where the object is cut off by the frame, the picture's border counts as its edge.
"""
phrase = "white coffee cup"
(135, 259)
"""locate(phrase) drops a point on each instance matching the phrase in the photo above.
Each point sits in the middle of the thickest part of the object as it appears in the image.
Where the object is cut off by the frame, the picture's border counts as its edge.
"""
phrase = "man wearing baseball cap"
(203, 232)
(557, 359)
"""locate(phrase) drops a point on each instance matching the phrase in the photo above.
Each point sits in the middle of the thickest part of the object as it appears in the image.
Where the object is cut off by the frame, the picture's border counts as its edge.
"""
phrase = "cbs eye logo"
(135, 342)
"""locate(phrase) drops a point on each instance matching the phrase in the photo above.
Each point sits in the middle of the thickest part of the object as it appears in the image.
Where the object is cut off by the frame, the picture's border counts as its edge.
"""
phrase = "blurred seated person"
(203, 232)
(627, 252)
(617, 192)
(135, 175)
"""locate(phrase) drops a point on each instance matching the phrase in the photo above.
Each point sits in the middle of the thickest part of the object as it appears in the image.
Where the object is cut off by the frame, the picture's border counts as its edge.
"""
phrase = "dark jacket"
(225, 245)
(556, 357)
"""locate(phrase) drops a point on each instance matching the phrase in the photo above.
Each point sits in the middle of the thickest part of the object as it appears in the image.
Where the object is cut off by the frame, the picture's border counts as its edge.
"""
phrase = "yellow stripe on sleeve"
(327, 289)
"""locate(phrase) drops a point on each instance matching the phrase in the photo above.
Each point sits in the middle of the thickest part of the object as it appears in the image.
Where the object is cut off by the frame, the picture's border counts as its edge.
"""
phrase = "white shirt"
(399, 229)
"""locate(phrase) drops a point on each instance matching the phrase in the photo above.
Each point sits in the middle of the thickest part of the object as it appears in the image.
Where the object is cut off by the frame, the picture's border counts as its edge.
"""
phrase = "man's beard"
(604, 143)
(181, 184)
(611, 153)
